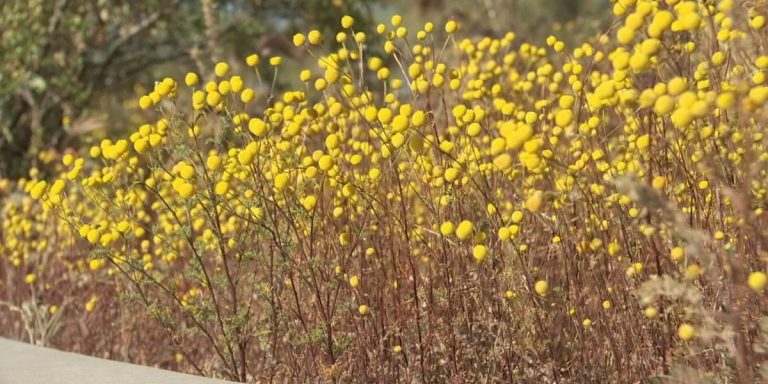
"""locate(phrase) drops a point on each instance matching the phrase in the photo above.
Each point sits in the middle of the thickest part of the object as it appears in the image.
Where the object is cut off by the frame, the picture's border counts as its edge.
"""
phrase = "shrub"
(457, 209)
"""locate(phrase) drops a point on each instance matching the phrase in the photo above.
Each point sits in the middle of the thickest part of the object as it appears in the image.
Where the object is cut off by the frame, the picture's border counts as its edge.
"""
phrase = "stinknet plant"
(433, 207)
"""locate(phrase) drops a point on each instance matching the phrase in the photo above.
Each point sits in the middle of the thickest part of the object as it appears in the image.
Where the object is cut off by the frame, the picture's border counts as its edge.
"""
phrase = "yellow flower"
(191, 79)
(281, 181)
(141, 145)
(677, 86)
(347, 21)
(535, 201)
(541, 287)
(309, 202)
(757, 281)
(145, 102)
(325, 162)
(503, 161)
(222, 187)
(257, 126)
(247, 96)
(186, 171)
(643, 141)
(363, 309)
(38, 189)
(91, 304)
(95, 264)
(354, 281)
(30, 278)
(315, 37)
(451, 26)
(213, 162)
(186, 190)
(692, 272)
(479, 252)
(221, 69)
(299, 39)
(686, 332)
(464, 229)
(252, 60)
(664, 105)
(446, 228)
(213, 98)
(677, 254)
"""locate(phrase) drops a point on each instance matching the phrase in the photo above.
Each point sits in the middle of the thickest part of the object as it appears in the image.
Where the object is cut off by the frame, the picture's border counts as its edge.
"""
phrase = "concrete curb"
(22, 363)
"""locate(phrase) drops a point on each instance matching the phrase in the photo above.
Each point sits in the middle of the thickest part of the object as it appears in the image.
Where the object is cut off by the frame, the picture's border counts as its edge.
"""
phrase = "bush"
(457, 209)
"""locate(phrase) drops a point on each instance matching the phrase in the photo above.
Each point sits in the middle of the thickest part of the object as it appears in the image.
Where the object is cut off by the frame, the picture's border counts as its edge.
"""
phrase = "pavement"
(22, 363)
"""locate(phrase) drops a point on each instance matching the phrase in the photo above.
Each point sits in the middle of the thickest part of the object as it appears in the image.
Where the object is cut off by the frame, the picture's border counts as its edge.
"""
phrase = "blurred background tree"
(533, 20)
(68, 66)
(61, 60)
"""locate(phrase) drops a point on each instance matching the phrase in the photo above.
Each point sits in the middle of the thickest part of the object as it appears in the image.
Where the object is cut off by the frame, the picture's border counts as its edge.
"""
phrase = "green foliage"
(60, 58)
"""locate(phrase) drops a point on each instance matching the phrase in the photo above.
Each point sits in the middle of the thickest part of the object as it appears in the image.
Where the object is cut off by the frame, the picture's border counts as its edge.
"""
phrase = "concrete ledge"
(22, 363)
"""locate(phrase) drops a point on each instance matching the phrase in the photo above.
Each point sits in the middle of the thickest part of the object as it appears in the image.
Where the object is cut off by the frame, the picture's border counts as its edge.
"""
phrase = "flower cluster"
(437, 207)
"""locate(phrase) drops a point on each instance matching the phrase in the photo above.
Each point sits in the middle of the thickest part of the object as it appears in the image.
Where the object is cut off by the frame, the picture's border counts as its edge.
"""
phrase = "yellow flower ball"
(146, 102)
(222, 187)
(686, 332)
(325, 162)
(248, 95)
(141, 145)
(451, 26)
(464, 229)
(309, 202)
(252, 60)
(221, 69)
(677, 254)
(447, 228)
(281, 181)
(191, 79)
(692, 272)
(213, 162)
(299, 39)
(541, 287)
(479, 252)
(347, 21)
(677, 86)
(564, 118)
(757, 281)
(186, 171)
(91, 304)
(535, 201)
(38, 189)
(186, 190)
(503, 161)
(315, 37)
(257, 126)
